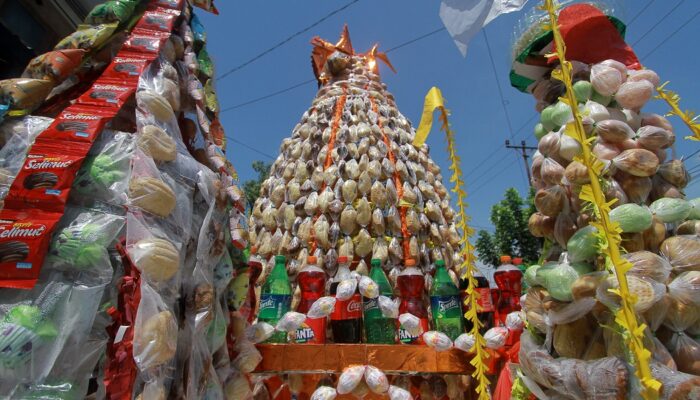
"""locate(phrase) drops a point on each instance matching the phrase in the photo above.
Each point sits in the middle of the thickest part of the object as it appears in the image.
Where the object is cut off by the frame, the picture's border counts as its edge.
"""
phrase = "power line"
(483, 175)
(493, 176)
(267, 96)
(658, 22)
(672, 35)
(696, 151)
(498, 84)
(287, 40)
(640, 12)
(251, 148)
(287, 89)
(415, 40)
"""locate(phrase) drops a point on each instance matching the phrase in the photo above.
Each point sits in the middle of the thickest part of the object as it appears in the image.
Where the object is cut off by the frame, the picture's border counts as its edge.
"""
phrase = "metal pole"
(523, 152)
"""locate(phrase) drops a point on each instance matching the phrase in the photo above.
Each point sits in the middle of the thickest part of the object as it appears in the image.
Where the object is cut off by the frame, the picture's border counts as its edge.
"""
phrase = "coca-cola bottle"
(509, 281)
(410, 283)
(312, 283)
(346, 318)
(485, 303)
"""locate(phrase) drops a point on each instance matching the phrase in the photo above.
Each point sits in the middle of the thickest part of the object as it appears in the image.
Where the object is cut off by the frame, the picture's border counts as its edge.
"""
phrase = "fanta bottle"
(411, 283)
(508, 279)
(312, 283)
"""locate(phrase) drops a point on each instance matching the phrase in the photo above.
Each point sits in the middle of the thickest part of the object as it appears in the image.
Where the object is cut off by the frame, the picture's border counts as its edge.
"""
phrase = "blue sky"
(245, 28)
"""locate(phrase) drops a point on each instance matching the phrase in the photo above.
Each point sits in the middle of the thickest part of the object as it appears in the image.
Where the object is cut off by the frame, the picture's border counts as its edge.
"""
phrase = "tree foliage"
(511, 235)
(252, 187)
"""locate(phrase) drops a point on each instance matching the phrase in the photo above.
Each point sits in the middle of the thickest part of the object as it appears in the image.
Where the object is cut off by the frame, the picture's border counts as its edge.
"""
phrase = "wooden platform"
(333, 358)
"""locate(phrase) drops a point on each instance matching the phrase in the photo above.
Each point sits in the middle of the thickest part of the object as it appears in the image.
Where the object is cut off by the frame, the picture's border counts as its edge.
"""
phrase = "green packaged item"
(670, 210)
(583, 245)
(632, 217)
(206, 66)
(583, 91)
(210, 97)
(540, 131)
(695, 210)
(530, 275)
(88, 37)
(111, 11)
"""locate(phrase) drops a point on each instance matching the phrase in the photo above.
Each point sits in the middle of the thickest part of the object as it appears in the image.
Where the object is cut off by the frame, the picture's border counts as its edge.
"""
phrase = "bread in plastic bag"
(606, 80)
(368, 288)
(411, 324)
(259, 332)
(648, 264)
(686, 287)
(515, 321)
(322, 307)
(376, 380)
(350, 378)
(238, 387)
(496, 337)
(155, 331)
(646, 291)
(389, 307)
(634, 94)
(437, 340)
(346, 289)
(683, 252)
(675, 385)
(248, 357)
(465, 342)
(324, 393)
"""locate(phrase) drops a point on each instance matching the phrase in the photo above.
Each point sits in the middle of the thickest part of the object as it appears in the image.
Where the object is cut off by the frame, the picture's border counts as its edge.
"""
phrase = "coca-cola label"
(484, 302)
(348, 309)
(24, 241)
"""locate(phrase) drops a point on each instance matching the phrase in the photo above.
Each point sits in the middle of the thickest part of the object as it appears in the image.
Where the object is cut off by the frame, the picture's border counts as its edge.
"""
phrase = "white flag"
(464, 18)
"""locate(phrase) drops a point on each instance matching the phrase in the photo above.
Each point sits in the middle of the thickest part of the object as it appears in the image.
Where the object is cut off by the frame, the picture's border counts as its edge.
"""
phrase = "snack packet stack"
(572, 295)
(117, 212)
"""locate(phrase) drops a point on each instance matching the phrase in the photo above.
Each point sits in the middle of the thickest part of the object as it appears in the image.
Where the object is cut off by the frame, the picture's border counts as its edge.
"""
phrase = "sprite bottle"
(378, 328)
(276, 298)
(445, 303)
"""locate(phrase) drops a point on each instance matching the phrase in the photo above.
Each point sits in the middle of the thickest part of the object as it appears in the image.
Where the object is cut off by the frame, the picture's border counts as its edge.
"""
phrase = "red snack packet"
(126, 67)
(107, 93)
(174, 4)
(79, 123)
(47, 175)
(145, 42)
(24, 240)
(55, 65)
(158, 19)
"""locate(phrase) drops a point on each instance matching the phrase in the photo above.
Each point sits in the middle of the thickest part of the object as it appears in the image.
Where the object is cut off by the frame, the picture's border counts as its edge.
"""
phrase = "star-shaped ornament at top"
(336, 56)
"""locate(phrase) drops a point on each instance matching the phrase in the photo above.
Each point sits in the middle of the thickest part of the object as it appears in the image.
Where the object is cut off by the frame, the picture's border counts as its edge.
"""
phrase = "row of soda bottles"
(359, 315)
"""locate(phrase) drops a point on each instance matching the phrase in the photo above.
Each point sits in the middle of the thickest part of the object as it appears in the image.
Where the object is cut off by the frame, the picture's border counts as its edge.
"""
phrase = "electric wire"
(640, 12)
(680, 27)
(286, 40)
(658, 22)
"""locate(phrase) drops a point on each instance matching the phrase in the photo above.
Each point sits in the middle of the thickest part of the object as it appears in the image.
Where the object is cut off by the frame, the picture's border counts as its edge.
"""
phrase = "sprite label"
(445, 307)
(274, 306)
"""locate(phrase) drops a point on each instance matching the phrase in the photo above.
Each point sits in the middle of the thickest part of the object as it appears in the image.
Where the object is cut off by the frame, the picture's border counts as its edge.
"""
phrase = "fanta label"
(313, 330)
(406, 337)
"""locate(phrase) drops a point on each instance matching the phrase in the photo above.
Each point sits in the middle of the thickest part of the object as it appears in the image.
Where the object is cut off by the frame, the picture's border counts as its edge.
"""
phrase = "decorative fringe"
(688, 117)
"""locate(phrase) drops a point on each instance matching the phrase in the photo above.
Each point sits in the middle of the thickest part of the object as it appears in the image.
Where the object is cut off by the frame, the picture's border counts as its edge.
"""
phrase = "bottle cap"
(517, 261)
(311, 260)
(410, 262)
(439, 263)
(280, 259)
(375, 262)
(342, 260)
(505, 259)
(253, 250)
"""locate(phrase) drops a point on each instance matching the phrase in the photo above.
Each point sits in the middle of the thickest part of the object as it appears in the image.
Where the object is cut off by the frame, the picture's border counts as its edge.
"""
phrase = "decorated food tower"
(614, 311)
(356, 249)
(119, 229)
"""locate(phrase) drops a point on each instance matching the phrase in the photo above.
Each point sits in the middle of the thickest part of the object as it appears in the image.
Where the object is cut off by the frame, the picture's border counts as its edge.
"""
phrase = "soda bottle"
(410, 283)
(312, 283)
(445, 303)
(518, 262)
(346, 318)
(378, 328)
(485, 302)
(276, 298)
(254, 270)
(508, 279)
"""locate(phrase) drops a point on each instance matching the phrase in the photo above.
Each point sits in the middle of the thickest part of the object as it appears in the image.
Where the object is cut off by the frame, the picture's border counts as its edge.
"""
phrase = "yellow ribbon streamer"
(434, 100)
(609, 231)
(688, 117)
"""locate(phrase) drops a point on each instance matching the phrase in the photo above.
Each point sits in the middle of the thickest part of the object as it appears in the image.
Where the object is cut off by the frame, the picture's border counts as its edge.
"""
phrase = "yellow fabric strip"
(609, 231)
(688, 117)
(433, 100)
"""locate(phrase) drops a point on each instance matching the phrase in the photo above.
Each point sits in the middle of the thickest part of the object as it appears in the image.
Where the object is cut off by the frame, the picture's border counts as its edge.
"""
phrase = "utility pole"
(523, 148)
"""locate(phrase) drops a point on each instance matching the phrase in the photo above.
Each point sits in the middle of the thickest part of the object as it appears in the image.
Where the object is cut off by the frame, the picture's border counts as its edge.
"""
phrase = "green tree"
(511, 235)
(252, 187)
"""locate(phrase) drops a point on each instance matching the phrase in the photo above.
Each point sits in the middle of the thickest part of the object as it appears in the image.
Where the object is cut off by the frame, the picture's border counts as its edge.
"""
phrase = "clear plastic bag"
(153, 249)
(683, 252)
(389, 307)
(496, 337)
(290, 322)
(437, 340)
(411, 324)
(324, 393)
(398, 393)
(248, 357)
(686, 287)
(350, 379)
(465, 342)
(368, 288)
(259, 332)
(155, 331)
(322, 307)
(346, 289)
(104, 176)
(648, 264)
(376, 380)
(634, 95)
(674, 384)
(646, 291)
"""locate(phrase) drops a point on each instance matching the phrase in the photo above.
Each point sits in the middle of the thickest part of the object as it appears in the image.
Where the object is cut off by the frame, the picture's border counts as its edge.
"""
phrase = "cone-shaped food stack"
(348, 182)
(576, 346)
